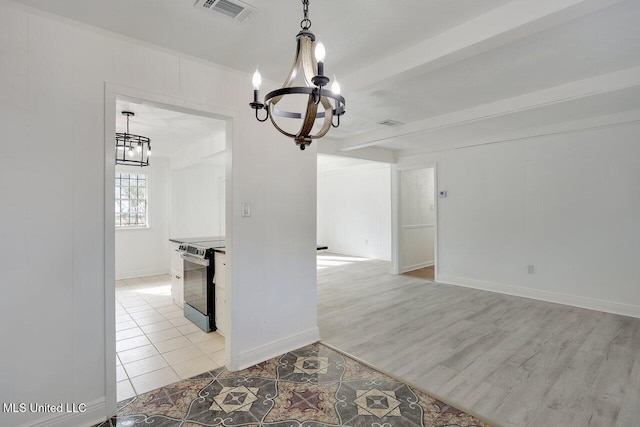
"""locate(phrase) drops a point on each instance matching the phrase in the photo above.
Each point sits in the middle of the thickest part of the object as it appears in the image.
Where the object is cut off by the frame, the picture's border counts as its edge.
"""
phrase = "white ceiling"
(171, 132)
(457, 72)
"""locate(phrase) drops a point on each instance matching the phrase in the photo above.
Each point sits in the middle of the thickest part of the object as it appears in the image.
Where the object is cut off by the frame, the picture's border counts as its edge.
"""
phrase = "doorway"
(149, 342)
(417, 218)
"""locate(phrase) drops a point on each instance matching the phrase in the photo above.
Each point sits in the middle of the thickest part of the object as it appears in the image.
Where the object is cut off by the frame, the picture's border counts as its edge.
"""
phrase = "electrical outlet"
(531, 269)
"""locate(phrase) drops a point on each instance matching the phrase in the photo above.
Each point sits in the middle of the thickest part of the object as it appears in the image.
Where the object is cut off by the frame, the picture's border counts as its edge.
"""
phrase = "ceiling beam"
(602, 84)
(510, 22)
(330, 146)
(589, 124)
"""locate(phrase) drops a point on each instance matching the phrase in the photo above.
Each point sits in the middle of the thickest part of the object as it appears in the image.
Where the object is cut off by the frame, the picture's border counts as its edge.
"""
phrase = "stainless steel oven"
(199, 288)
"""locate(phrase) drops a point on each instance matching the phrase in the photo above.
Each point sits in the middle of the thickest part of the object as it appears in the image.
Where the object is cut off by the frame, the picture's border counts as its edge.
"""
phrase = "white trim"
(537, 294)
(276, 348)
(417, 266)
(94, 414)
(396, 256)
(111, 93)
(417, 226)
(395, 220)
(370, 255)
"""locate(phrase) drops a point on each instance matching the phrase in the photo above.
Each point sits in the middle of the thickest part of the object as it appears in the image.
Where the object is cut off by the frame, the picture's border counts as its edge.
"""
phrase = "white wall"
(52, 112)
(566, 203)
(145, 251)
(417, 218)
(197, 201)
(354, 210)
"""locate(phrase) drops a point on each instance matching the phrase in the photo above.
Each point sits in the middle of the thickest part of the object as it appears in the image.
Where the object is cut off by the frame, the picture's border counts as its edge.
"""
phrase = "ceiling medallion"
(132, 150)
(312, 69)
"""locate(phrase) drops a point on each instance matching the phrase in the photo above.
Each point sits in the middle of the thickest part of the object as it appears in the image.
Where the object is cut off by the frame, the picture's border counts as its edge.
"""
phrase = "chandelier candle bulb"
(256, 80)
(335, 87)
(320, 55)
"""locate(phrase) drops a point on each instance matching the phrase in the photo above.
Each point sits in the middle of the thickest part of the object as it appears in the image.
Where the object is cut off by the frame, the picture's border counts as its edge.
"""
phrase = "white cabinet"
(220, 279)
(177, 271)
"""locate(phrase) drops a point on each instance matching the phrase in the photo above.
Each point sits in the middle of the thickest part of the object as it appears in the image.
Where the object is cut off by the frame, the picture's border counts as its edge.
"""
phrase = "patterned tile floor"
(312, 386)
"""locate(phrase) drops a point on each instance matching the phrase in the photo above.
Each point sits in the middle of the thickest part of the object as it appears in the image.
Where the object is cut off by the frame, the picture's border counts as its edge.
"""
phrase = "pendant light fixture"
(132, 150)
(330, 103)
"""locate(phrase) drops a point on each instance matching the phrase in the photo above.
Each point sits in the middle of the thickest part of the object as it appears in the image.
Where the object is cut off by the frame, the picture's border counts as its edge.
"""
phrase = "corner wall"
(567, 204)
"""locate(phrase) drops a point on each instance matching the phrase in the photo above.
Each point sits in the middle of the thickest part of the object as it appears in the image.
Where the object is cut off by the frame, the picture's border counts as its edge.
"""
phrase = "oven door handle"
(202, 262)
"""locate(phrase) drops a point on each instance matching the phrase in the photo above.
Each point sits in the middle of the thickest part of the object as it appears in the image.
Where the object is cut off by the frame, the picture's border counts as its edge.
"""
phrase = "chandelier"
(323, 104)
(132, 150)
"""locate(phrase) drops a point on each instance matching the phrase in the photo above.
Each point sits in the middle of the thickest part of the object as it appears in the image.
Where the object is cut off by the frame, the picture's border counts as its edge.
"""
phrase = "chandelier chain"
(305, 24)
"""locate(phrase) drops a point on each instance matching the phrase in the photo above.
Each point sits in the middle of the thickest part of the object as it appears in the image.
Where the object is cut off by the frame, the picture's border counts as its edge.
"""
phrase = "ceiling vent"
(390, 123)
(233, 9)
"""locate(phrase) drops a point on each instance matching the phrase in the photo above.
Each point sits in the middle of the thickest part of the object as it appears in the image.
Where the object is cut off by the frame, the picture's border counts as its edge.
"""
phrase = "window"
(131, 200)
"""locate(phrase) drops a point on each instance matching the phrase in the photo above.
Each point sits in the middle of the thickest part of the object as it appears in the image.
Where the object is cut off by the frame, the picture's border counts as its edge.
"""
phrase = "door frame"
(113, 92)
(396, 256)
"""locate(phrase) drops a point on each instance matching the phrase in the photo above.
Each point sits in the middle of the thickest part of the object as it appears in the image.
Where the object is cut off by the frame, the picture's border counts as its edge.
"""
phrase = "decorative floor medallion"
(378, 403)
(311, 365)
(310, 387)
(233, 399)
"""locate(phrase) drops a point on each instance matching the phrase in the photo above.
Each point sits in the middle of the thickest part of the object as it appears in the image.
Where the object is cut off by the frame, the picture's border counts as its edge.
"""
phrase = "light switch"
(246, 209)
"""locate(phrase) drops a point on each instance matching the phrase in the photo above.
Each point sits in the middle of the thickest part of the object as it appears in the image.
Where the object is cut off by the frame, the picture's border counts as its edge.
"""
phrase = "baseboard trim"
(276, 348)
(95, 413)
(337, 250)
(142, 273)
(416, 266)
(558, 298)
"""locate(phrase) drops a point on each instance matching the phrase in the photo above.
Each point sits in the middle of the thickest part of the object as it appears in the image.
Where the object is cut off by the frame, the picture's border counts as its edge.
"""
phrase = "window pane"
(131, 203)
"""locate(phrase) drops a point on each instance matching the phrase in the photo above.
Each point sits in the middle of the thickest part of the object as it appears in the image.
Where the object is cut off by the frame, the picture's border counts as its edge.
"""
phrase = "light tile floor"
(155, 344)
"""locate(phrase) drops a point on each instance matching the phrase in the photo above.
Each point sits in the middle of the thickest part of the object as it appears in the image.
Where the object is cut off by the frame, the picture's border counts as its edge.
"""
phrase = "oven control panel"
(192, 250)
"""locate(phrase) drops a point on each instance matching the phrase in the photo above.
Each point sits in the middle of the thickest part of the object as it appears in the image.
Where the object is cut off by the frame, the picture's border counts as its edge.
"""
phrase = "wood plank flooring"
(513, 361)
(423, 273)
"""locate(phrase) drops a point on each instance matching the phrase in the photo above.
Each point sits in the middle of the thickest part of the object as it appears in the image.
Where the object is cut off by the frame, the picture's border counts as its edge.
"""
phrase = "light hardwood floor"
(513, 361)
(422, 273)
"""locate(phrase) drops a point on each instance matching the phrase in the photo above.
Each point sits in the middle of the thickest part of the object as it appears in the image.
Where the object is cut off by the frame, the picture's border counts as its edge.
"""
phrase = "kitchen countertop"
(217, 243)
(196, 239)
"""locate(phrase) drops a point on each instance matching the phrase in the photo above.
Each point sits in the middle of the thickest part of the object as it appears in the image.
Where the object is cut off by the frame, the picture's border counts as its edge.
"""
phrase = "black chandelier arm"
(266, 117)
(335, 125)
(303, 90)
